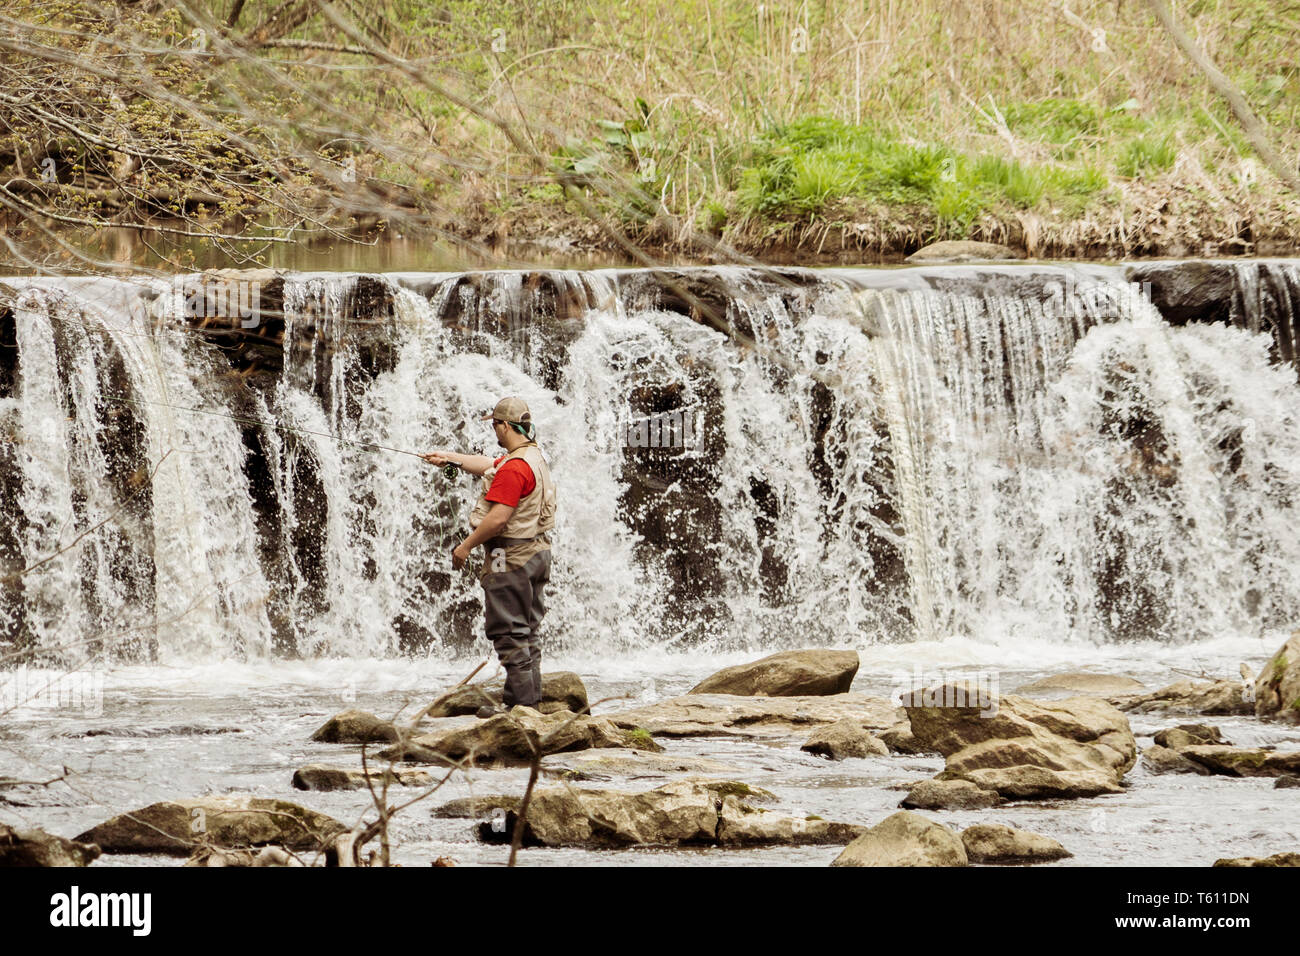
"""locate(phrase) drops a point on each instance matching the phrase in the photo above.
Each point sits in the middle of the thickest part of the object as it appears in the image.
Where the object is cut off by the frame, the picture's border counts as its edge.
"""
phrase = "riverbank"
(177, 732)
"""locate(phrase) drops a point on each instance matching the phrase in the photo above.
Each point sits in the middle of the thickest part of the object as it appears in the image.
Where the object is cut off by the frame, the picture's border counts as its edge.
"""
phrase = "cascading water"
(744, 460)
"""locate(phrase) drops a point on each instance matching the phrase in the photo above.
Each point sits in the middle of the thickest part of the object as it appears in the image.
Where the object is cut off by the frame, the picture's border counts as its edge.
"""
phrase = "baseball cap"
(510, 410)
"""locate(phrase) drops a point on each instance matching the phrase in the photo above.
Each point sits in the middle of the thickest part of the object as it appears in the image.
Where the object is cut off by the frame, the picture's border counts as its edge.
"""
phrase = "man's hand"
(437, 458)
(459, 555)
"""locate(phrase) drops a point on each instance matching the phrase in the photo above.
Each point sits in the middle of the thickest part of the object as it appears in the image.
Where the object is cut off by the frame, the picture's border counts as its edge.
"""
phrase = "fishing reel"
(450, 471)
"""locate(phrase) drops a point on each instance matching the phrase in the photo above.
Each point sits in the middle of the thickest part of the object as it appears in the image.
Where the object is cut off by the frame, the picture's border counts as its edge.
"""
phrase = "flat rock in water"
(1189, 735)
(811, 673)
(1277, 859)
(963, 250)
(513, 738)
(1158, 759)
(949, 795)
(844, 738)
(995, 843)
(905, 839)
(181, 826)
(34, 847)
(1277, 689)
(700, 813)
(1187, 697)
(355, 727)
(724, 715)
(1026, 749)
(1244, 762)
(318, 776)
(561, 690)
(639, 763)
(482, 807)
(1095, 685)
(1286, 783)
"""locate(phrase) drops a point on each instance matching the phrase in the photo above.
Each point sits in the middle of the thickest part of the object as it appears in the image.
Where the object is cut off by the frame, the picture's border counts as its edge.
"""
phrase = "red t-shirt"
(513, 480)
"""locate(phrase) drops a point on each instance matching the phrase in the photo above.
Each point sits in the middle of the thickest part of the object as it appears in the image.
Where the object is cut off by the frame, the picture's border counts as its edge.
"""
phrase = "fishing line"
(266, 424)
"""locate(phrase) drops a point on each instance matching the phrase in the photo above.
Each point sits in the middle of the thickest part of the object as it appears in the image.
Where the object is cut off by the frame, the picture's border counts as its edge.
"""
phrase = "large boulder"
(33, 847)
(725, 715)
(355, 727)
(1220, 697)
(700, 813)
(1081, 683)
(1189, 735)
(905, 839)
(1026, 749)
(844, 738)
(515, 738)
(1277, 689)
(1244, 762)
(318, 776)
(181, 826)
(787, 674)
(561, 690)
(995, 843)
(949, 795)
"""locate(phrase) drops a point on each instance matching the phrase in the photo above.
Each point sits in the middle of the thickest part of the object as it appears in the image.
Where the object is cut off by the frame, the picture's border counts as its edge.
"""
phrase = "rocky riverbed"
(234, 732)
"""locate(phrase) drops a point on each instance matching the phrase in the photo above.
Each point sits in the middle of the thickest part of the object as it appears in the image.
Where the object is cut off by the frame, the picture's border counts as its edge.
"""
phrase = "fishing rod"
(449, 469)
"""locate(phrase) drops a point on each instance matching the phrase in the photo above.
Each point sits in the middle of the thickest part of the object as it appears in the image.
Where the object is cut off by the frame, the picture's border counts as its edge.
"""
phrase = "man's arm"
(493, 523)
(474, 464)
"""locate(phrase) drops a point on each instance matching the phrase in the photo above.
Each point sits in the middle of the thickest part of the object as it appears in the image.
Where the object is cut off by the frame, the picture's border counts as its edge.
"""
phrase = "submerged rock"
(561, 690)
(699, 813)
(963, 250)
(482, 807)
(1277, 689)
(266, 856)
(810, 673)
(1093, 685)
(318, 776)
(1186, 697)
(513, 738)
(844, 738)
(724, 715)
(905, 839)
(1158, 759)
(949, 795)
(35, 847)
(1027, 749)
(181, 826)
(1277, 859)
(995, 843)
(355, 727)
(638, 763)
(1286, 783)
(1244, 762)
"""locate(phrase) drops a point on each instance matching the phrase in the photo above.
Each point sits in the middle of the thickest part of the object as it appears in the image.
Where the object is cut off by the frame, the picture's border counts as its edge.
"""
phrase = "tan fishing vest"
(525, 534)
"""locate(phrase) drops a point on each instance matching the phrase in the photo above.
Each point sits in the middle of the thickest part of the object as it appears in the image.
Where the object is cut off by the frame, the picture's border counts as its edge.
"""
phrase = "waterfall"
(745, 458)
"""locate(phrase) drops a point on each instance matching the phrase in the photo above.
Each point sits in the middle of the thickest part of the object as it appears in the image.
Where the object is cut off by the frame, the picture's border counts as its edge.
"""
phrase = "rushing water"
(1023, 468)
(843, 460)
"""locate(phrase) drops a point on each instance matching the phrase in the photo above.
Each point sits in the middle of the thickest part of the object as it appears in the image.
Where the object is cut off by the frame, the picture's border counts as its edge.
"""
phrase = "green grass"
(801, 167)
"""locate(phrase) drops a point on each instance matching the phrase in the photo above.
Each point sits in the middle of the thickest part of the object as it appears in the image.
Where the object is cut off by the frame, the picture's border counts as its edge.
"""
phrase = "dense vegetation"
(1065, 128)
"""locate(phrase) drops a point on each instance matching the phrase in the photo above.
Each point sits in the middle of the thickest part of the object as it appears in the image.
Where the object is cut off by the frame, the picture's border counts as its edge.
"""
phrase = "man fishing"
(512, 520)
